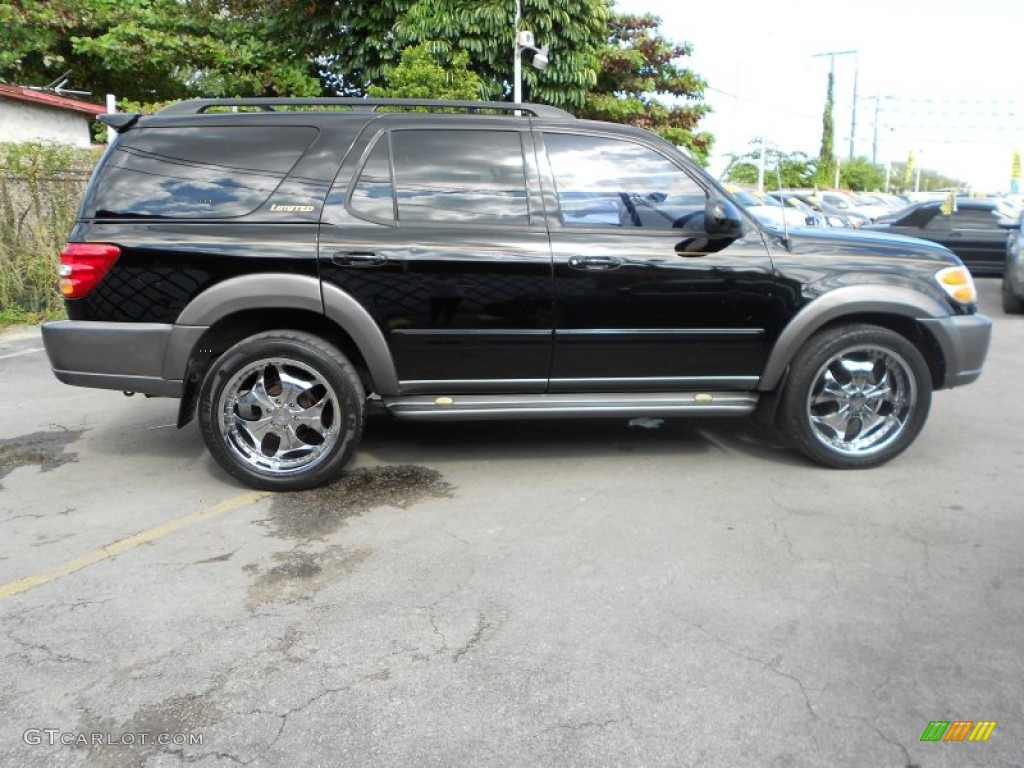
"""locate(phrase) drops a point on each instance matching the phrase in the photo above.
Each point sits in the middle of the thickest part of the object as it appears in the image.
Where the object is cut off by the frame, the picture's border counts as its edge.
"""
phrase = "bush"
(41, 187)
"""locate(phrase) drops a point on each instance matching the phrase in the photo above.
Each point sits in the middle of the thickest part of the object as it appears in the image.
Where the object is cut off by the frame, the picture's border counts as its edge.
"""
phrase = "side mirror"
(723, 219)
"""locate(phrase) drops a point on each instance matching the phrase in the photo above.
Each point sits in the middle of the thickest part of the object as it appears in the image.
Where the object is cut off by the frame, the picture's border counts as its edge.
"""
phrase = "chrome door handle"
(358, 259)
(595, 262)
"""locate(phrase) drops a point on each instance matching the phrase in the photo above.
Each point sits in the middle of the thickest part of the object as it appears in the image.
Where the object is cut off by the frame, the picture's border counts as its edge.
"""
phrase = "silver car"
(1013, 275)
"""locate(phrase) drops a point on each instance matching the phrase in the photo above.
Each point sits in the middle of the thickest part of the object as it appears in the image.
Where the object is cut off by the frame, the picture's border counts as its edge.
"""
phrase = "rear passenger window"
(466, 177)
(209, 172)
(373, 196)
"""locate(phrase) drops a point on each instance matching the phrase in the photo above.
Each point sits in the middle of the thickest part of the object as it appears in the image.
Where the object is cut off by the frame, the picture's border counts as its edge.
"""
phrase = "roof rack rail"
(199, 106)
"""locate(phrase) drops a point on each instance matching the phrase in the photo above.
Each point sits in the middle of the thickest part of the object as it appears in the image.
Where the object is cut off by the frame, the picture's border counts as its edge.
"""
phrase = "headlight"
(958, 284)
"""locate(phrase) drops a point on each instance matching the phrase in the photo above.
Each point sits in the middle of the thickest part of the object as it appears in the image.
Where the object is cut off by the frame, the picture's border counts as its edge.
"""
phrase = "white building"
(28, 115)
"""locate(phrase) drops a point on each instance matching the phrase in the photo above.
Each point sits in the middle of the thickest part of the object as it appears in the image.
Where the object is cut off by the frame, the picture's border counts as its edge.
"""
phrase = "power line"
(766, 104)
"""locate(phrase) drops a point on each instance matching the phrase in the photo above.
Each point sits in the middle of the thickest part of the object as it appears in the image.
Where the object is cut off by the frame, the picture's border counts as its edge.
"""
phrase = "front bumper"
(149, 358)
(964, 340)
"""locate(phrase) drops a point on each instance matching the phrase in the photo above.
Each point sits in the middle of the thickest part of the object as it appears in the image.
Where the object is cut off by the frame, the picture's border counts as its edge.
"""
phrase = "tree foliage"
(352, 43)
(486, 31)
(357, 42)
(930, 180)
(611, 66)
(149, 50)
(787, 169)
(861, 175)
(419, 75)
(638, 68)
(827, 155)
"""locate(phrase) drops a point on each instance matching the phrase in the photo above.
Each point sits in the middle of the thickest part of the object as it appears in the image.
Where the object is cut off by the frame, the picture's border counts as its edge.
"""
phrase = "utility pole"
(874, 137)
(853, 109)
(760, 166)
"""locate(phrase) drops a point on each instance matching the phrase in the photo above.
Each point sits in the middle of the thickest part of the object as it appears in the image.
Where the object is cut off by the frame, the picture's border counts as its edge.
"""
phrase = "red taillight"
(82, 265)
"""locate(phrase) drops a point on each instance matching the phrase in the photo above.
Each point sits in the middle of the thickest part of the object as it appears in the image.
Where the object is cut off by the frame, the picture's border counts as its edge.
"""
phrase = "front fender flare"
(847, 301)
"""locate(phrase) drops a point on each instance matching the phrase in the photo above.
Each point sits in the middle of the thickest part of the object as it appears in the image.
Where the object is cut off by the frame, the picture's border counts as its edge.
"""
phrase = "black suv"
(281, 265)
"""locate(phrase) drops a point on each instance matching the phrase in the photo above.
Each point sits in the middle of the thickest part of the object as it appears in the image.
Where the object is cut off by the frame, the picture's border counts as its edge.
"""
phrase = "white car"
(770, 211)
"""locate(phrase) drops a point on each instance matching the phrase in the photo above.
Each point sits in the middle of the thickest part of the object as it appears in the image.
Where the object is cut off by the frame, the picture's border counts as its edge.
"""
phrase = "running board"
(591, 404)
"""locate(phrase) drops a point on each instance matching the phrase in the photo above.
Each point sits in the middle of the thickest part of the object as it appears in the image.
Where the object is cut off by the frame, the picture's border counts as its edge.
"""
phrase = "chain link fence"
(41, 187)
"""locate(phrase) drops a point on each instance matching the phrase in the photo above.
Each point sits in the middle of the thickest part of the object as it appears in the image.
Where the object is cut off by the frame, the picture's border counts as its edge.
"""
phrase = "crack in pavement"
(883, 736)
(924, 544)
(785, 537)
(599, 724)
(63, 658)
(439, 633)
(376, 676)
(481, 625)
(761, 662)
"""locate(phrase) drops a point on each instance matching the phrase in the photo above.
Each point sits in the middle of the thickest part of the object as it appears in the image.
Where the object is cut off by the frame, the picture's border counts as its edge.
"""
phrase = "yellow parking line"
(118, 547)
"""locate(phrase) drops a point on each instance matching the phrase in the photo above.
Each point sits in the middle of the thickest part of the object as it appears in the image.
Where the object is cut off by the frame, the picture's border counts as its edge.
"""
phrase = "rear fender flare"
(283, 291)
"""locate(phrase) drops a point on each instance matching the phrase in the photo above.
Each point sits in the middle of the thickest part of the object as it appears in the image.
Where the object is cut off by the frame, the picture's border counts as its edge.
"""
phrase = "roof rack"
(199, 106)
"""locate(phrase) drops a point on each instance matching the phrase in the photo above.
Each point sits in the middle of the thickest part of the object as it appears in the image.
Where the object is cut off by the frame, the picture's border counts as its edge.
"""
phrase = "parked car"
(770, 211)
(284, 267)
(844, 217)
(850, 202)
(820, 219)
(1013, 275)
(976, 230)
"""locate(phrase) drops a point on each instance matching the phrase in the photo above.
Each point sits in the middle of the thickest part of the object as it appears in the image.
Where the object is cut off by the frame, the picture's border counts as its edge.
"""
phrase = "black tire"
(282, 411)
(856, 396)
(1012, 303)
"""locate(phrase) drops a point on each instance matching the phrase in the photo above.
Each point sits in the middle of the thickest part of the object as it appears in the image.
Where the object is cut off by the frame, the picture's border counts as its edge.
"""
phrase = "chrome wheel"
(279, 416)
(855, 396)
(861, 400)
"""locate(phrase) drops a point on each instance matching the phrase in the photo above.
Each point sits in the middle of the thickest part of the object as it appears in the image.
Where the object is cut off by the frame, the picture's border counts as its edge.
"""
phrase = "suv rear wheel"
(857, 396)
(282, 411)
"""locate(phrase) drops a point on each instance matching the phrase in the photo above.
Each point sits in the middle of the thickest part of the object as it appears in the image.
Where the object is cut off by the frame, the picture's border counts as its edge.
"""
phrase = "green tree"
(352, 43)
(861, 175)
(612, 66)
(788, 169)
(827, 155)
(930, 180)
(638, 68)
(419, 75)
(486, 31)
(357, 42)
(152, 50)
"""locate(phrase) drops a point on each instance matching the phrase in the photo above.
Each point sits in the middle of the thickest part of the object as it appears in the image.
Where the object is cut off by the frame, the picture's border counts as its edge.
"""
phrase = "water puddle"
(43, 449)
(319, 512)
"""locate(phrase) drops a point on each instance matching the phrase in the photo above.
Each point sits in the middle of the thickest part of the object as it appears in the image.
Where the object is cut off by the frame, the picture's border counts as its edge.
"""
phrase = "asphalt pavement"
(566, 593)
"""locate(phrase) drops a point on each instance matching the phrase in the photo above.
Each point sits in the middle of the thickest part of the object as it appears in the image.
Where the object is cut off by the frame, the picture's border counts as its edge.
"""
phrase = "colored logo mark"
(958, 730)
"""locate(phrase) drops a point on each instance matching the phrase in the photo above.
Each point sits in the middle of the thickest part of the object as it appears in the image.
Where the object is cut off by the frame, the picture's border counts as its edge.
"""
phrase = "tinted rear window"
(208, 172)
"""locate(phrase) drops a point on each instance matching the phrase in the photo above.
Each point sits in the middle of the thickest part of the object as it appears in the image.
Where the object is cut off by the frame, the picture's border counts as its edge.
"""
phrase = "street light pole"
(517, 65)
(524, 42)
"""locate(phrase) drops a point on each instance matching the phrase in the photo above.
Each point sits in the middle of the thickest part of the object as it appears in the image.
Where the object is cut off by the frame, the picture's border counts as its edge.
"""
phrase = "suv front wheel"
(282, 411)
(857, 396)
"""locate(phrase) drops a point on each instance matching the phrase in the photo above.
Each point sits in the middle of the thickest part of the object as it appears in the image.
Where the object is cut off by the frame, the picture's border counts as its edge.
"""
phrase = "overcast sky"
(949, 77)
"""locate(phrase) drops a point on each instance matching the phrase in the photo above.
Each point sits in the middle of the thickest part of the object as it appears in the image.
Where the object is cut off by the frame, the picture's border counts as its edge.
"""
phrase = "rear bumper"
(964, 340)
(149, 358)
